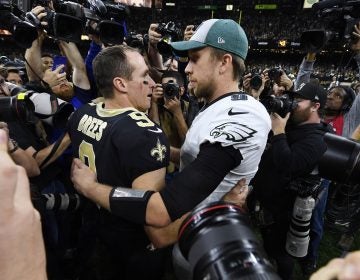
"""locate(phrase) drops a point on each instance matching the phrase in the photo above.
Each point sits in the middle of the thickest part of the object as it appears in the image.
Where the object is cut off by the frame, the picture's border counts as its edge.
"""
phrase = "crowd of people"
(117, 146)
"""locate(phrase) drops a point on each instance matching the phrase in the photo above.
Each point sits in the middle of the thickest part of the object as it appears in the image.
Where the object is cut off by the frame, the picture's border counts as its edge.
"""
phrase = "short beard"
(299, 117)
(205, 91)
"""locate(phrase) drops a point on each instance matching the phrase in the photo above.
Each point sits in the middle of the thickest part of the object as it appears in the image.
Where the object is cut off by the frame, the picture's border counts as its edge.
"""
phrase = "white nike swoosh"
(158, 130)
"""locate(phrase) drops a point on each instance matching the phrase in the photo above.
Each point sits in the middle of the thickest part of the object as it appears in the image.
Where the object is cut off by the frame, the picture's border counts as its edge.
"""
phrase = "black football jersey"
(119, 144)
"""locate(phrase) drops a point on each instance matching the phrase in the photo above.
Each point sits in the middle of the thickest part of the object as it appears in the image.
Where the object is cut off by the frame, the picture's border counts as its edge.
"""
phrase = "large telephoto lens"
(341, 161)
(218, 242)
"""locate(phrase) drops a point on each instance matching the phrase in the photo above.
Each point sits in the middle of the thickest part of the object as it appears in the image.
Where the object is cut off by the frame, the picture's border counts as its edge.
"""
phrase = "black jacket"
(287, 157)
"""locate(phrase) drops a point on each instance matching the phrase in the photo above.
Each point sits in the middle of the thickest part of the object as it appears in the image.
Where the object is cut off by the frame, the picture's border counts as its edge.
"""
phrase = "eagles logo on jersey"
(233, 131)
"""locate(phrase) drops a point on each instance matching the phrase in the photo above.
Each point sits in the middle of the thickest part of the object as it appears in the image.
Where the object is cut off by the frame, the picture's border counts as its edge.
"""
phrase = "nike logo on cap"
(231, 113)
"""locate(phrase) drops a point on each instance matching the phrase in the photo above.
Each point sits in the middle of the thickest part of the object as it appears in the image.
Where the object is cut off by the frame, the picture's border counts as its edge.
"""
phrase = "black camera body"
(137, 41)
(279, 104)
(110, 17)
(338, 19)
(16, 108)
(256, 81)
(65, 23)
(171, 33)
(275, 74)
(23, 32)
(171, 90)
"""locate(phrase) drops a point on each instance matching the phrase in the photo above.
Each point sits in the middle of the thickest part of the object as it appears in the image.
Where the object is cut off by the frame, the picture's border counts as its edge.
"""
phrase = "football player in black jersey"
(117, 140)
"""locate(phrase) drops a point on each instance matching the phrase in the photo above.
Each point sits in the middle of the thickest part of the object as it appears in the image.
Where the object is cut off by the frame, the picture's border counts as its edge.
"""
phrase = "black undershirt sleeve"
(200, 178)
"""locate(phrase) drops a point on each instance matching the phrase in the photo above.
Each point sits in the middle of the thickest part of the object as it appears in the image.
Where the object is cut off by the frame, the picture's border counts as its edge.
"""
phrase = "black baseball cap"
(311, 91)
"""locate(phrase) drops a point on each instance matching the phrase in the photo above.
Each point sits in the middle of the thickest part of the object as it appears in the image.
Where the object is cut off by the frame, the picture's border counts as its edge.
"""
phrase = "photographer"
(78, 92)
(254, 84)
(292, 153)
(168, 109)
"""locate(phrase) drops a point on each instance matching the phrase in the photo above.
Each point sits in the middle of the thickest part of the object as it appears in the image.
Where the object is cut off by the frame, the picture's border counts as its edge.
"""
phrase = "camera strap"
(53, 150)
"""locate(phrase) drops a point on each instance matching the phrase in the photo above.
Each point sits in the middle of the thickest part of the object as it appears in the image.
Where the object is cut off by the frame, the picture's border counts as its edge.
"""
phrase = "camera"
(61, 201)
(65, 23)
(218, 242)
(171, 33)
(171, 90)
(16, 108)
(256, 81)
(341, 161)
(23, 32)
(111, 17)
(338, 18)
(52, 110)
(297, 241)
(279, 104)
(306, 189)
(275, 74)
(341, 165)
(137, 41)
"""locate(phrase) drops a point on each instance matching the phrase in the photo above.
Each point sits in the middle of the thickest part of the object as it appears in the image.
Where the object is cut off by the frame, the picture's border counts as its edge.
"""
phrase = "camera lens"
(341, 161)
(218, 243)
(171, 90)
(256, 81)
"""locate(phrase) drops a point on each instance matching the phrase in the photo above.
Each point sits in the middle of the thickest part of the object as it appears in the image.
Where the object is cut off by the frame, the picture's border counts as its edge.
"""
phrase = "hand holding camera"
(254, 84)
(157, 93)
(38, 15)
(173, 105)
(285, 81)
(154, 36)
(278, 123)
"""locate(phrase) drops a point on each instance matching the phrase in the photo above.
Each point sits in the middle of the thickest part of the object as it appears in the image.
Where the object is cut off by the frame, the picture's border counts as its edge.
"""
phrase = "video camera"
(23, 32)
(338, 18)
(67, 22)
(110, 17)
(171, 33)
(279, 104)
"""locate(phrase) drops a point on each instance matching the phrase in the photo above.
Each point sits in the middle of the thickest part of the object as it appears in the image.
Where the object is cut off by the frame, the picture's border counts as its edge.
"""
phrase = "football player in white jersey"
(223, 145)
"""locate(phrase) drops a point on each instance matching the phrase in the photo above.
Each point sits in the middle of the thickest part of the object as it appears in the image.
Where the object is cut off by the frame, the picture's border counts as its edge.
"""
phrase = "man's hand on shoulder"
(238, 194)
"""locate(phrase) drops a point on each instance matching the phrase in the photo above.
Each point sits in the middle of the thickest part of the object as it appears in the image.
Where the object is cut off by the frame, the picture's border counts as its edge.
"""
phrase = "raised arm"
(80, 78)
(33, 54)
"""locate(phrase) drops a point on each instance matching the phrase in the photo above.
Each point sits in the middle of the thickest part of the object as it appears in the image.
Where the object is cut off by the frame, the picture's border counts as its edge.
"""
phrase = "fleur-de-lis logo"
(158, 151)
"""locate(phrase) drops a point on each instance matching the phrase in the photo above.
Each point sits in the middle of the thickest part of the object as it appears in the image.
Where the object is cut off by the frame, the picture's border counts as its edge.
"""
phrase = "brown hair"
(110, 63)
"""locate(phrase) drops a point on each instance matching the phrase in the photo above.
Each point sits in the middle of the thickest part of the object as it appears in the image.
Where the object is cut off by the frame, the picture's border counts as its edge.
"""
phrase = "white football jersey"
(235, 119)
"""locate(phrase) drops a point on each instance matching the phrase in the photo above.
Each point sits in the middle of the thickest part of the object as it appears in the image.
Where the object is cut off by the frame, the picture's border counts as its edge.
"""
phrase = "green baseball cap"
(223, 34)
